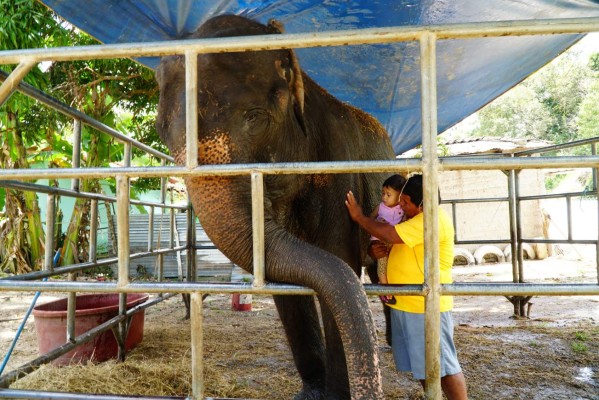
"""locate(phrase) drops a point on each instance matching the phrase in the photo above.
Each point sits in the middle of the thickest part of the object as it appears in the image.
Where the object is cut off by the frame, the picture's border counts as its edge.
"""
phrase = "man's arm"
(381, 230)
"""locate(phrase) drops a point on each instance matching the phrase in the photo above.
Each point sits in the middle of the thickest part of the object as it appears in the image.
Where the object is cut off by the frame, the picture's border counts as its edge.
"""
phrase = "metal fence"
(430, 165)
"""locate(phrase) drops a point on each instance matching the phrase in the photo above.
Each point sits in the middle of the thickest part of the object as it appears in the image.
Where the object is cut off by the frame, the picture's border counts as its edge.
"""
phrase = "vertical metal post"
(569, 215)
(191, 108)
(455, 220)
(595, 188)
(75, 183)
(511, 182)
(191, 244)
(123, 202)
(197, 347)
(151, 230)
(49, 242)
(430, 161)
(76, 158)
(519, 251)
(93, 231)
(258, 227)
(160, 272)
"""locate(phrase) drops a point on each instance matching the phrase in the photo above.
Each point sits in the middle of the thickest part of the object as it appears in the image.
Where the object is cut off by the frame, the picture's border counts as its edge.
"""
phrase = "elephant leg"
(337, 380)
(302, 327)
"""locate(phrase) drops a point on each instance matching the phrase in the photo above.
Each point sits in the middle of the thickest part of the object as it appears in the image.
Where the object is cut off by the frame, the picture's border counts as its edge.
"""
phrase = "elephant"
(260, 107)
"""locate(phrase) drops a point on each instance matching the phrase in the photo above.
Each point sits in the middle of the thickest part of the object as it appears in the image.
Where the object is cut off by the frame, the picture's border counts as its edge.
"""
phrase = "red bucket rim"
(133, 299)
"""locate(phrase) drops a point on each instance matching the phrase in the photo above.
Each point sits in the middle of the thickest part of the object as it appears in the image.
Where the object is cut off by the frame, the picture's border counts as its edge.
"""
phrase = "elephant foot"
(310, 393)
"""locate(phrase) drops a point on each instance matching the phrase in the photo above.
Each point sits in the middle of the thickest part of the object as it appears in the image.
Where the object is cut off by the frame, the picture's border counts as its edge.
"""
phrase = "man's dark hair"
(413, 188)
(395, 182)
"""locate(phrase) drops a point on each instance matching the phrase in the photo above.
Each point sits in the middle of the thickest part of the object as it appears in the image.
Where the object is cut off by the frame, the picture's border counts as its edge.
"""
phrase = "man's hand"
(378, 249)
(355, 210)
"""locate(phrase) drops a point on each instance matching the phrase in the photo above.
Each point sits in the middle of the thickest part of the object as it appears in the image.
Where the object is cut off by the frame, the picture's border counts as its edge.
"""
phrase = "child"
(388, 211)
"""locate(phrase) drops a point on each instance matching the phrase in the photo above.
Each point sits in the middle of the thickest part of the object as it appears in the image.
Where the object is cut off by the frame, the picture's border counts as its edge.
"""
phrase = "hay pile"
(246, 356)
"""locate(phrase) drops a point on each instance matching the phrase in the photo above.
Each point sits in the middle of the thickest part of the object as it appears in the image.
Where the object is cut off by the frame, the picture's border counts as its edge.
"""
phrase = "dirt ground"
(552, 355)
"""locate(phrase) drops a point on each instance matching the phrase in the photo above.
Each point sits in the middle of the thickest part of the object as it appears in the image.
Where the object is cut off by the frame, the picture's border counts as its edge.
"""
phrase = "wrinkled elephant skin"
(259, 107)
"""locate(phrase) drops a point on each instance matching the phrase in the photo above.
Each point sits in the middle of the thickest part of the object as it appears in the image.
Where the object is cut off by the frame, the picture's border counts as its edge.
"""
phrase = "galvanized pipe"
(50, 101)
(513, 215)
(124, 251)
(197, 346)
(151, 230)
(595, 188)
(16, 76)
(191, 109)
(304, 40)
(520, 251)
(76, 157)
(86, 265)
(328, 167)
(455, 289)
(78, 195)
(556, 147)
(49, 240)
(93, 231)
(258, 228)
(569, 214)
(122, 213)
(432, 317)
(71, 309)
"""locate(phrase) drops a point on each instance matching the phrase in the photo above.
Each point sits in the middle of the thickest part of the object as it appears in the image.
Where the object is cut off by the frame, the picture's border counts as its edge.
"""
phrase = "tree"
(545, 106)
(23, 24)
(104, 89)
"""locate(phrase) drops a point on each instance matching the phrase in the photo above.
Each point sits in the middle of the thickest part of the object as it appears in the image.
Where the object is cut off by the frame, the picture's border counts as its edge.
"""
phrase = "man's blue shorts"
(408, 343)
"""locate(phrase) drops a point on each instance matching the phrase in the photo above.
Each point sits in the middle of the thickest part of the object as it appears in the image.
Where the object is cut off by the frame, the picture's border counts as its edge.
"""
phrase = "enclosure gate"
(429, 165)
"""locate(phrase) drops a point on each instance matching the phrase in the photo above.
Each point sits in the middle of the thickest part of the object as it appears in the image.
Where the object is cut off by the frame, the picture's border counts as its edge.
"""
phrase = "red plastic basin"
(91, 310)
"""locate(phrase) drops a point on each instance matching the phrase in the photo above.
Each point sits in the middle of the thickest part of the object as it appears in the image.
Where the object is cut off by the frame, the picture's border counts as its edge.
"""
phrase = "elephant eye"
(255, 115)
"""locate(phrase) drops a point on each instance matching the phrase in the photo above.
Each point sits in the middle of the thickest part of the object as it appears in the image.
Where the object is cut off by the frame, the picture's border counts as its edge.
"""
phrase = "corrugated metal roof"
(209, 261)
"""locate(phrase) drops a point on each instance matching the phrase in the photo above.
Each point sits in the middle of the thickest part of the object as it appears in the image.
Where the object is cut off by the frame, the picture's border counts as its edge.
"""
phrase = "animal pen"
(430, 165)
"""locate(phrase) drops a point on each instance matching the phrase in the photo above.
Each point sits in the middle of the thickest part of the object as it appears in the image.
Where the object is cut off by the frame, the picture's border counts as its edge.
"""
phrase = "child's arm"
(375, 213)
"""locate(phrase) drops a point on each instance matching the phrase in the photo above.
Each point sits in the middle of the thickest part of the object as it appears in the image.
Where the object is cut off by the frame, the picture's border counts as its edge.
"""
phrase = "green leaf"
(2, 198)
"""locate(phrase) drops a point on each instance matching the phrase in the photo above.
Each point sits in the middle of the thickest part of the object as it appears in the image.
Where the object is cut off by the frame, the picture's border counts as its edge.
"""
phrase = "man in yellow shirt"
(406, 266)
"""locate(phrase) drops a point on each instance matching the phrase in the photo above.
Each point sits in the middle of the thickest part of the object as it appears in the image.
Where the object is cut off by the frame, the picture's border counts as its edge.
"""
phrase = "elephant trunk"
(223, 205)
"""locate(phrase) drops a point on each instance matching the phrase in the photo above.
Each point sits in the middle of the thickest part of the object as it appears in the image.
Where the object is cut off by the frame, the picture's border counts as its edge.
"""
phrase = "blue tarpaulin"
(383, 80)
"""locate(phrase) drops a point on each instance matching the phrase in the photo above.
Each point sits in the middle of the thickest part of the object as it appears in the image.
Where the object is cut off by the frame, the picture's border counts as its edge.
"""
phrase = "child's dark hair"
(395, 182)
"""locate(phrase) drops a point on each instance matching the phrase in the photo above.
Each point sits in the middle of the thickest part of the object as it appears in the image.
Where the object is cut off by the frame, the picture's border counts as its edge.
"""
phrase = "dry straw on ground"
(246, 356)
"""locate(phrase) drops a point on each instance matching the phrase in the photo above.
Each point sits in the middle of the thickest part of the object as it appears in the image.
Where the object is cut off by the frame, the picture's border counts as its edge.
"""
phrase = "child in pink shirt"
(388, 211)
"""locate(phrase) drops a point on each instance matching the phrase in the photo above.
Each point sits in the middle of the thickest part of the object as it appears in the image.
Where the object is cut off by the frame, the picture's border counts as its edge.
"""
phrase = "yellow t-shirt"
(406, 260)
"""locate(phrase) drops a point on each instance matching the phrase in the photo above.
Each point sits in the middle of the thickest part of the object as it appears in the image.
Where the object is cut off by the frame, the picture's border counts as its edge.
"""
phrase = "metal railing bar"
(12, 81)
(556, 147)
(481, 200)
(57, 105)
(463, 289)
(304, 40)
(559, 195)
(40, 394)
(331, 167)
(34, 187)
(87, 265)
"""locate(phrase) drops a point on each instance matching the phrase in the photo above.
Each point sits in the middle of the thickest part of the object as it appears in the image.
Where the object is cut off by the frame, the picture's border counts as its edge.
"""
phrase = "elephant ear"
(292, 73)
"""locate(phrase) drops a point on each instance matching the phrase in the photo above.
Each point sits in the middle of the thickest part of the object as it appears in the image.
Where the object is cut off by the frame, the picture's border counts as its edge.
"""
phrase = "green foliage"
(594, 62)
(553, 181)
(558, 104)
(579, 345)
(119, 93)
